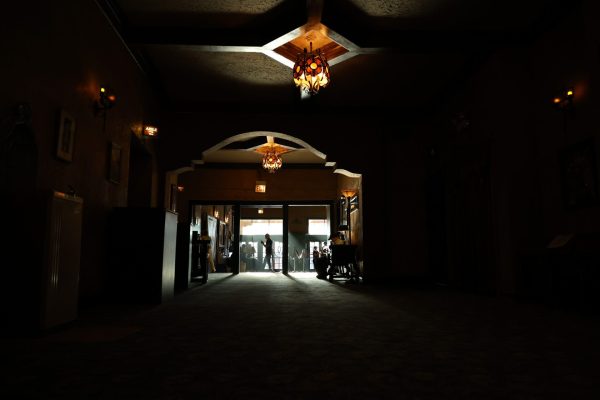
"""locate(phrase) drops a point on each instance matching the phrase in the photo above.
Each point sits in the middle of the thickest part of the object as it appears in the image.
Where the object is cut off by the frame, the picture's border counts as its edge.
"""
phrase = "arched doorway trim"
(249, 135)
(346, 173)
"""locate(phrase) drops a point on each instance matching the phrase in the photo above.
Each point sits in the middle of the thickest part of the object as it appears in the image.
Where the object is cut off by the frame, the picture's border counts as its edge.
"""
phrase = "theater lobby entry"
(307, 227)
(229, 201)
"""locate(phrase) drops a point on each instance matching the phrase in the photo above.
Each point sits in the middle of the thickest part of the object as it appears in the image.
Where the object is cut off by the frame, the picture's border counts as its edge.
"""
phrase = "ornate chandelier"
(311, 71)
(271, 161)
(272, 152)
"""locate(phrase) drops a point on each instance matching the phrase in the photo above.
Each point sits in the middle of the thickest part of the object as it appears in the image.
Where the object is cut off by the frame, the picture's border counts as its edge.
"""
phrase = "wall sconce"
(347, 193)
(261, 211)
(106, 99)
(216, 213)
(149, 131)
(180, 189)
(564, 101)
(227, 219)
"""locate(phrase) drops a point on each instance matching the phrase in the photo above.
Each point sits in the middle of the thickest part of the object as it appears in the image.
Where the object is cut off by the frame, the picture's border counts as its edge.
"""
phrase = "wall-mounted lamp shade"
(348, 192)
(180, 188)
(261, 211)
(150, 131)
(216, 213)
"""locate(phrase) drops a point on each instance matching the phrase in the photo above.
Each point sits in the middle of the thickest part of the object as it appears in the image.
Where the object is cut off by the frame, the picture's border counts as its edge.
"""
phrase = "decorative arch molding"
(172, 175)
(343, 174)
(249, 135)
(346, 173)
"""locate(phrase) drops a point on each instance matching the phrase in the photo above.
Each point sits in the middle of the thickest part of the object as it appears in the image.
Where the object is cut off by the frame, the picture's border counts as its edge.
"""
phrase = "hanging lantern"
(272, 161)
(311, 71)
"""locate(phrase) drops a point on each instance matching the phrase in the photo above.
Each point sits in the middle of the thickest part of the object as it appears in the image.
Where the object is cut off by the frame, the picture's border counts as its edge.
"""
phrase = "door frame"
(237, 205)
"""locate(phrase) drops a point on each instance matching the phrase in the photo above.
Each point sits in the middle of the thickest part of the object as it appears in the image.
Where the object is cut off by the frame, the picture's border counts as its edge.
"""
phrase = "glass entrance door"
(309, 228)
(255, 222)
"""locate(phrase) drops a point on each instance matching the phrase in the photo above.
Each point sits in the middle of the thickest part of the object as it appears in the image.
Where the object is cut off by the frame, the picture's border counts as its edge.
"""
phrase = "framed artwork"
(114, 163)
(579, 175)
(66, 137)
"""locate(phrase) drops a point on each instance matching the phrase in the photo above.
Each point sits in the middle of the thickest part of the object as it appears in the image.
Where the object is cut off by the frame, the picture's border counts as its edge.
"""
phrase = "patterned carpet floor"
(267, 335)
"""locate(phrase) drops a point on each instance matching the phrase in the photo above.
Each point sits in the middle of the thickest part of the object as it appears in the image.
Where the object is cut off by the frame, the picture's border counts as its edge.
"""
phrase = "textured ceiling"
(398, 8)
(226, 13)
(443, 14)
(401, 53)
(195, 6)
(200, 66)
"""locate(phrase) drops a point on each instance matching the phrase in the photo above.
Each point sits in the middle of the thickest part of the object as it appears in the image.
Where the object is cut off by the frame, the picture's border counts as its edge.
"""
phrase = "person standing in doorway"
(204, 254)
(250, 260)
(316, 256)
(268, 243)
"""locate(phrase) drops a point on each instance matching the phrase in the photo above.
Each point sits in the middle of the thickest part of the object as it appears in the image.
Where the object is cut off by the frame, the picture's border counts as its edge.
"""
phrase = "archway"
(226, 178)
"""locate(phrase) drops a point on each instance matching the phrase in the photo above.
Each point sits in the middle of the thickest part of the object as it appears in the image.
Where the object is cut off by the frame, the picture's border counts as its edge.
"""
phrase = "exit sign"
(260, 187)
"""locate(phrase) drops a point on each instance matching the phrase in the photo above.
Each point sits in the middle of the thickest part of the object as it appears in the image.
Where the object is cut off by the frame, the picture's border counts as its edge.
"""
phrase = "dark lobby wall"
(512, 144)
(212, 184)
(55, 55)
(404, 207)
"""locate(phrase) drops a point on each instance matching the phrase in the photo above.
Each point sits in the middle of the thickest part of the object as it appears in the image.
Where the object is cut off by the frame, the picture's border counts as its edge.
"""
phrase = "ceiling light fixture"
(272, 152)
(311, 71)
(272, 161)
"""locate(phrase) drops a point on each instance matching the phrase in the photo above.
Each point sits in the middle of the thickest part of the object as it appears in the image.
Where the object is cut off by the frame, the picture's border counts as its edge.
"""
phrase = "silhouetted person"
(268, 243)
(243, 257)
(316, 256)
(320, 261)
(250, 260)
(204, 254)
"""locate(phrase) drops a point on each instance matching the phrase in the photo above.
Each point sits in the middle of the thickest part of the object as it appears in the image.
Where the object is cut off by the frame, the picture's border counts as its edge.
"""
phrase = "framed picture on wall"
(579, 175)
(66, 136)
(114, 162)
